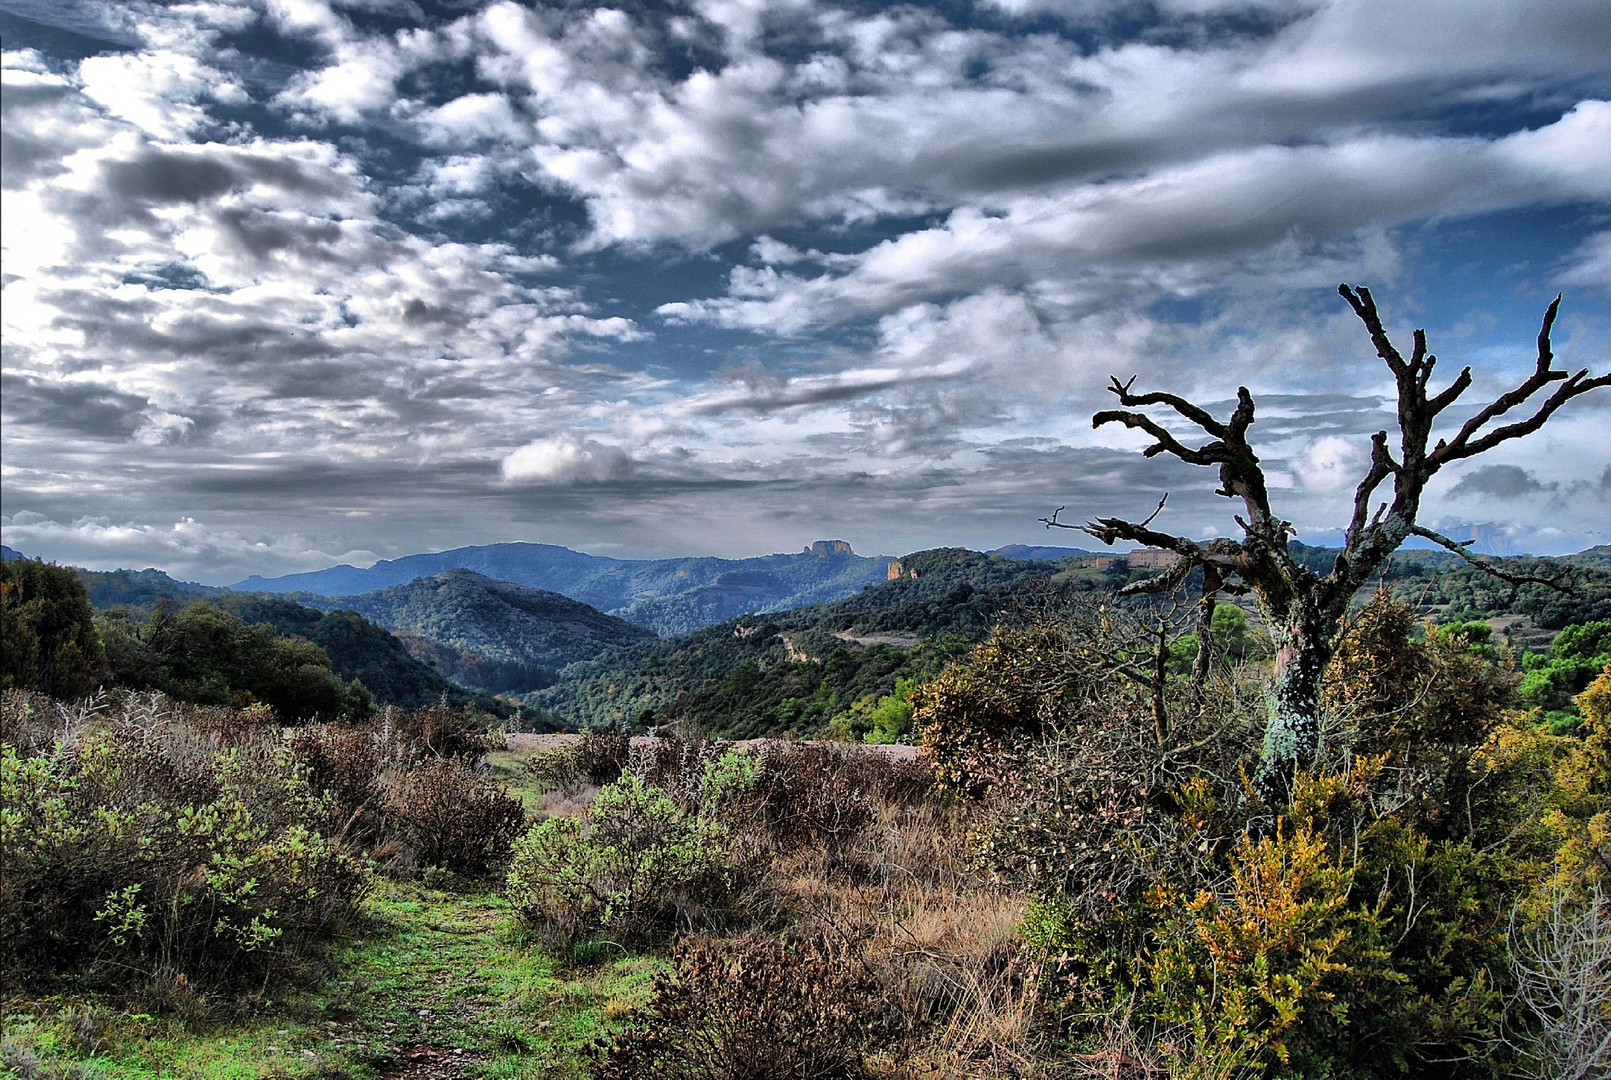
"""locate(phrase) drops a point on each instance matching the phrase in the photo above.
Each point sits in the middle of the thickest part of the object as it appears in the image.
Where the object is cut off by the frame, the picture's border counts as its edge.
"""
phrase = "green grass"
(509, 766)
(427, 966)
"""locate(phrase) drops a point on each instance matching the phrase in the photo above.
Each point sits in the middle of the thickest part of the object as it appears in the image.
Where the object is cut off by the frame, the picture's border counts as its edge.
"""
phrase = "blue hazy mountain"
(669, 596)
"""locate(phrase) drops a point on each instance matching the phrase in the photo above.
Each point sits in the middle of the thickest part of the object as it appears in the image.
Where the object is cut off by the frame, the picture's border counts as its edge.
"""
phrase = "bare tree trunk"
(1292, 729)
(1160, 682)
(1306, 608)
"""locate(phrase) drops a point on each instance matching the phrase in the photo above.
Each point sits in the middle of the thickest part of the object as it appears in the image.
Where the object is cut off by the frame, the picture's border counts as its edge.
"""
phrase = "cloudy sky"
(296, 282)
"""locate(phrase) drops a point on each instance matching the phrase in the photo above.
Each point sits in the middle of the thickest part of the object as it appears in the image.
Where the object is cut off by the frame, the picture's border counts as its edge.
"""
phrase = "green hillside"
(805, 671)
(802, 671)
(357, 648)
(491, 634)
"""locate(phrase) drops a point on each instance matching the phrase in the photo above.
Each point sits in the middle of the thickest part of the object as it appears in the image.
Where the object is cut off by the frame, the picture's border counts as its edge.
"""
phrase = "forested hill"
(1443, 584)
(357, 648)
(670, 596)
(839, 665)
(487, 633)
(800, 671)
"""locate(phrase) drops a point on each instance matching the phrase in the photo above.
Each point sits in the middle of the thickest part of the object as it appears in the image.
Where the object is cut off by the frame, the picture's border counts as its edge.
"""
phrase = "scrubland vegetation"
(1078, 878)
(1147, 838)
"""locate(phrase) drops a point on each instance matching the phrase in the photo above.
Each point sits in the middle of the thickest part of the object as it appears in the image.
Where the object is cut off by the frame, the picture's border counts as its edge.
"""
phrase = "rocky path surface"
(424, 1062)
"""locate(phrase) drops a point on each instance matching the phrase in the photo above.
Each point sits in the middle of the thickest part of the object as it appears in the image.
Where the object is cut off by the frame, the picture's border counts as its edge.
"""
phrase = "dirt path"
(422, 1062)
(527, 743)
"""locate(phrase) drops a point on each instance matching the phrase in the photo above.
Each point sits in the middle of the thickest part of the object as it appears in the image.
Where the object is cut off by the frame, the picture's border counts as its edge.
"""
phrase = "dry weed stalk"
(1563, 974)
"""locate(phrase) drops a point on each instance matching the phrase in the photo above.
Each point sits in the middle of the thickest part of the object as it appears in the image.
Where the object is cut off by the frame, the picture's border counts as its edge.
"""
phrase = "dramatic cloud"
(335, 277)
(1500, 481)
(566, 460)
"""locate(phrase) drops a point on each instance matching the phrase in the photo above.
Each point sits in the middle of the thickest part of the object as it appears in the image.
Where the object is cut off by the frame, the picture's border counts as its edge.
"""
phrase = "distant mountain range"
(797, 671)
(669, 596)
(483, 632)
(815, 668)
(418, 635)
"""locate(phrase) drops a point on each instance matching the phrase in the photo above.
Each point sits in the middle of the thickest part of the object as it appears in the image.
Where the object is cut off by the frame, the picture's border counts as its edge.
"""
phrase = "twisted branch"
(1560, 582)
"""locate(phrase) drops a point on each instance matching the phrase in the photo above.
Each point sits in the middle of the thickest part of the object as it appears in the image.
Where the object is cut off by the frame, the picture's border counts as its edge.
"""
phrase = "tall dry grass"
(867, 853)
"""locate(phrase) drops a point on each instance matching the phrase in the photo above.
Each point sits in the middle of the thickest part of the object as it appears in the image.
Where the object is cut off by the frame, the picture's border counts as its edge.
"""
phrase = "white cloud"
(157, 92)
(187, 548)
(941, 238)
(1216, 210)
(566, 459)
(1590, 264)
(474, 118)
(1331, 464)
(1355, 45)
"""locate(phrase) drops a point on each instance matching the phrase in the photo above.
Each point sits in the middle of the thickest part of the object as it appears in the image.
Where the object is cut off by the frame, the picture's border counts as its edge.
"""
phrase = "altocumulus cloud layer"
(289, 282)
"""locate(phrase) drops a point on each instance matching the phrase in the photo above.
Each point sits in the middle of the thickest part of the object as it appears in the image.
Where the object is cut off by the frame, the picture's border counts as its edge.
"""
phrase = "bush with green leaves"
(138, 845)
(633, 867)
(1268, 973)
(144, 839)
(1551, 682)
(207, 655)
(1357, 930)
(1234, 636)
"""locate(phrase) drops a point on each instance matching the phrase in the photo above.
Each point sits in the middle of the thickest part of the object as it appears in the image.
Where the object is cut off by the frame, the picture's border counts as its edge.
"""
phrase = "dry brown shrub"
(591, 760)
(675, 765)
(430, 731)
(813, 799)
(601, 755)
(28, 721)
(805, 1008)
(345, 763)
(454, 818)
(941, 935)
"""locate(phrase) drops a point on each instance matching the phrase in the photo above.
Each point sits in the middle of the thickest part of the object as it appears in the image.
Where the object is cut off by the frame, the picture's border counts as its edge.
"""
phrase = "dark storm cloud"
(323, 483)
(164, 175)
(24, 155)
(263, 235)
(82, 409)
(1501, 482)
(126, 325)
(762, 394)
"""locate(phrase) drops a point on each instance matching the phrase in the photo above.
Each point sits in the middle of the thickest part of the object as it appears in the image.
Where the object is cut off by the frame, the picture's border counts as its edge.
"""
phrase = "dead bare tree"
(1306, 609)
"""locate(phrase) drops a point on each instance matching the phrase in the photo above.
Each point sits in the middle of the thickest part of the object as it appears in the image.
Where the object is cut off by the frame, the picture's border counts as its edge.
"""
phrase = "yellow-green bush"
(1268, 971)
(633, 865)
(173, 854)
(1359, 930)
